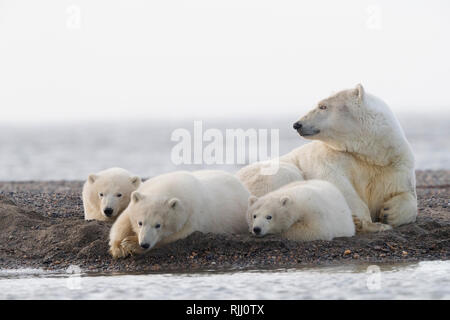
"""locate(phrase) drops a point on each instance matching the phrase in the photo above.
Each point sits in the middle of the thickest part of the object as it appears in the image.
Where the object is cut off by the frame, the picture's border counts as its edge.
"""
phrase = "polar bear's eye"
(119, 195)
(323, 107)
(100, 194)
(254, 217)
(140, 223)
(157, 226)
(269, 217)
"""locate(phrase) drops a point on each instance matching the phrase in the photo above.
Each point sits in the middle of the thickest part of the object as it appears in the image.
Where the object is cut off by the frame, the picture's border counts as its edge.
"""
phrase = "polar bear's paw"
(131, 245)
(378, 227)
(126, 247)
(358, 224)
(117, 252)
(362, 226)
(399, 210)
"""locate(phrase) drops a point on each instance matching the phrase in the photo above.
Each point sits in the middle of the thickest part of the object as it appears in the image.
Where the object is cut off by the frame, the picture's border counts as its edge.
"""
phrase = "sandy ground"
(42, 226)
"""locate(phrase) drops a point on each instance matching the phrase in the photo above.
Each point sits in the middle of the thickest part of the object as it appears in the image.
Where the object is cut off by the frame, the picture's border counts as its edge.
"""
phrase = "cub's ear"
(136, 181)
(359, 92)
(92, 178)
(252, 200)
(136, 197)
(173, 203)
(284, 200)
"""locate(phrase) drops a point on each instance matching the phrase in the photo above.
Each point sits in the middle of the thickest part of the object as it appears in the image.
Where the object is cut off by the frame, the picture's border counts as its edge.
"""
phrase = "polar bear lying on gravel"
(174, 205)
(302, 211)
(359, 147)
(107, 193)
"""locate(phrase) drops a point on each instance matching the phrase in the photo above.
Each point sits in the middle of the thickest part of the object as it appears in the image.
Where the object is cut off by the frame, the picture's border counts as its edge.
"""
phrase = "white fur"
(302, 211)
(259, 183)
(102, 190)
(181, 203)
(362, 150)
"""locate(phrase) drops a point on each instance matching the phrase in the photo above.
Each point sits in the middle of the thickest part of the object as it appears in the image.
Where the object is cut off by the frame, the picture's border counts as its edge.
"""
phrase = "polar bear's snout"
(145, 245)
(305, 130)
(298, 125)
(257, 231)
(108, 212)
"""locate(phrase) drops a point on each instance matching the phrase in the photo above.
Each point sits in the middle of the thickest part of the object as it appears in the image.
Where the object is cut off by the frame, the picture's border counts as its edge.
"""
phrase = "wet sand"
(42, 226)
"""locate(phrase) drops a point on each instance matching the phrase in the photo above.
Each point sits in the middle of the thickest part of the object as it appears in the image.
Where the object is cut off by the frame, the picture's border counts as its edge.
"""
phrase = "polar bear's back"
(173, 184)
(260, 184)
(326, 206)
(225, 202)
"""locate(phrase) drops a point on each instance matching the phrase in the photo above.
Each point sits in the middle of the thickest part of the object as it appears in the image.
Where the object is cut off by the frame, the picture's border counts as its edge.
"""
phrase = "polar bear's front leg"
(398, 210)
(90, 213)
(360, 211)
(119, 235)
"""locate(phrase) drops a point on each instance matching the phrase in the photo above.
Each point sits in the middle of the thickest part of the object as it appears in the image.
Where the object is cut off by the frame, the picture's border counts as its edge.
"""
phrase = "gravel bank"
(42, 226)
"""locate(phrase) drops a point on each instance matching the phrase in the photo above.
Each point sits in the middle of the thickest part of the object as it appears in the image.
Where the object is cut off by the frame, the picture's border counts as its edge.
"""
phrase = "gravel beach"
(42, 226)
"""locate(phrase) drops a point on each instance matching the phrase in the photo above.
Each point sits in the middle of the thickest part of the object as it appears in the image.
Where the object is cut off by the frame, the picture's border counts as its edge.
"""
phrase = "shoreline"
(42, 226)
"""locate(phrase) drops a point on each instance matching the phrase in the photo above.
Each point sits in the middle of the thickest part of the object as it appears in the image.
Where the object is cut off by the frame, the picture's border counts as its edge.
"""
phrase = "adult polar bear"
(359, 147)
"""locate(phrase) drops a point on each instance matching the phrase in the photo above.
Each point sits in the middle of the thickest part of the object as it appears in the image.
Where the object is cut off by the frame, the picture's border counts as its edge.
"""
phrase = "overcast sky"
(83, 59)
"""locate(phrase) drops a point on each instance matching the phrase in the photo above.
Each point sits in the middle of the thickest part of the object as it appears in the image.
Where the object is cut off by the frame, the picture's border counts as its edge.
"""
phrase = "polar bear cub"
(174, 205)
(261, 179)
(302, 211)
(107, 193)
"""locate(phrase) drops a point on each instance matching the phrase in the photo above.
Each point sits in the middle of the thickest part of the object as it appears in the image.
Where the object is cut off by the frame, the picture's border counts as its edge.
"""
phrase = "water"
(71, 152)
(424, 280)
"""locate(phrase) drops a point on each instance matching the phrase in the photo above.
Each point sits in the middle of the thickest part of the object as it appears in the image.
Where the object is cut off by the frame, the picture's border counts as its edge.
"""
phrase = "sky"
(67, 60)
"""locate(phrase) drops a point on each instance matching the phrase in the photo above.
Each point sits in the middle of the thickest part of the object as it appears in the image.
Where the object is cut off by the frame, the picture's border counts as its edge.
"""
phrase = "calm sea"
(72, 151)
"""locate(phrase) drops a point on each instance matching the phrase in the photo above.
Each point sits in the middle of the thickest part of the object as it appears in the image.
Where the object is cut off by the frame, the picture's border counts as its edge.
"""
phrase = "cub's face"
(334, 118)
(268, 215)
(154, 219)
(113, 194)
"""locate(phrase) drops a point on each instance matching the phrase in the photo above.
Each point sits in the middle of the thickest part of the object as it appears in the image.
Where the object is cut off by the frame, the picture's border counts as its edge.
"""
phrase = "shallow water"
(424, 280)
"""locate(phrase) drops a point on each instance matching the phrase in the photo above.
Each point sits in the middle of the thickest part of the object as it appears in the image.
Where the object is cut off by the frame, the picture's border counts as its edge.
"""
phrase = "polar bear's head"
(112, 192)
(360, 123)
(154, 218)
(334, 119)
(269, 214)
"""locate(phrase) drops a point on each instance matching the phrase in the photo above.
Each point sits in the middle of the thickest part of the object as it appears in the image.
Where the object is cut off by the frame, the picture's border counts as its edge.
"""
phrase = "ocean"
(71, 151)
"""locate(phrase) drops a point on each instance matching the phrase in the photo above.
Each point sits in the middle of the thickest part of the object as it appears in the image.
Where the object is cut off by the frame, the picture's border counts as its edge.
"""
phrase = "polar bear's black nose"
(145, 245)
(257, 230)
(298, 125)
(108, 212)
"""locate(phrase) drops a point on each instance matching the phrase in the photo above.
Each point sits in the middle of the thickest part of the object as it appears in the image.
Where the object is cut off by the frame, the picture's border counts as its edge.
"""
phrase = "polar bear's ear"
(136, 181)
(136, 197)
(284, 200)
(252, 200)
(359, 91)
(92, 178)
(173, 203)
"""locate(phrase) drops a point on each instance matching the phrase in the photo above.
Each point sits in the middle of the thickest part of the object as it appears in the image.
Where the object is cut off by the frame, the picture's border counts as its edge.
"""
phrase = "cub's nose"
(257, 230)
(108, 212)
(145, 245)
(298, 125)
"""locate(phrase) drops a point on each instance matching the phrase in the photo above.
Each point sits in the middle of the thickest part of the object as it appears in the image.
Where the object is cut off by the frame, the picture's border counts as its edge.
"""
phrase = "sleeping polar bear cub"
(360, 147)
(174, 205)
(107, 193)
(303, 211)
